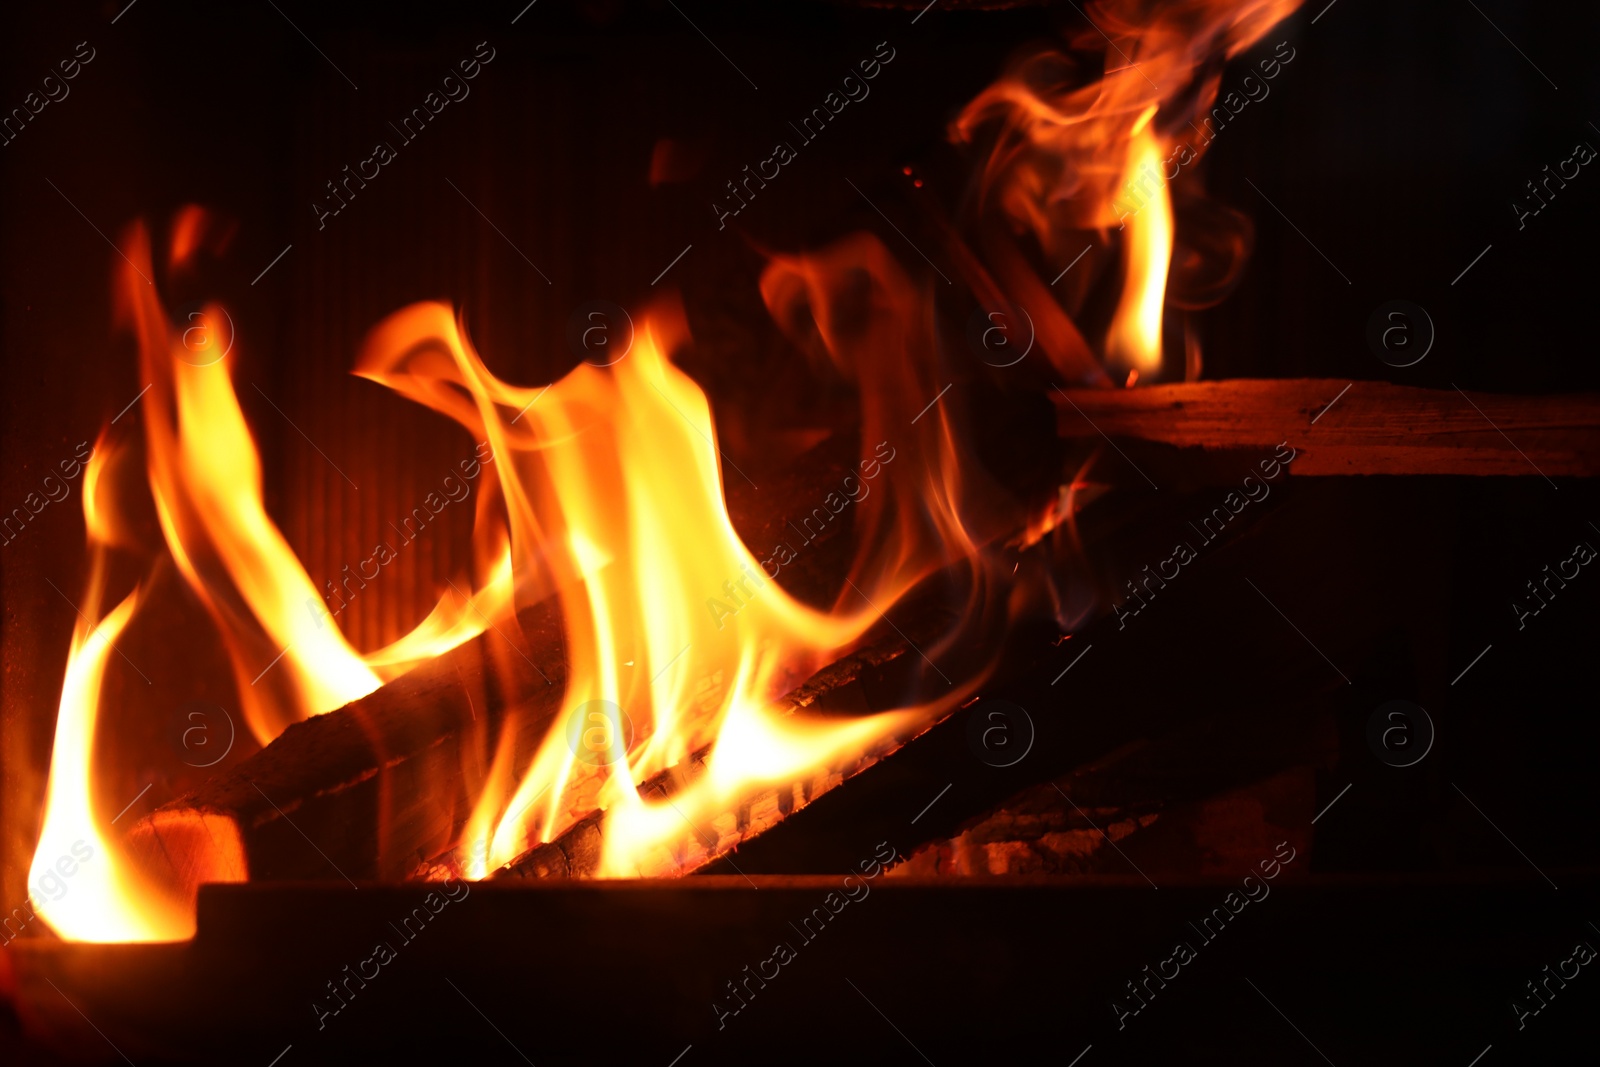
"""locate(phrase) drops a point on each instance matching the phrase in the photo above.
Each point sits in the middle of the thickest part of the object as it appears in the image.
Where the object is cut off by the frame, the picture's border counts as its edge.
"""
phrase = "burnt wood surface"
(823, 825)
(1207, 656)
(381, 789)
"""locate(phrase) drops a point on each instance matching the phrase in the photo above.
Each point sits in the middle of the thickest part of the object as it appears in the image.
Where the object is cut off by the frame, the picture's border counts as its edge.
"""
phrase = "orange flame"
(205, 477)
(81, 885)
(1134, 339)
(1071, 155)
(608, 495)
(677, 637)
(205, 480)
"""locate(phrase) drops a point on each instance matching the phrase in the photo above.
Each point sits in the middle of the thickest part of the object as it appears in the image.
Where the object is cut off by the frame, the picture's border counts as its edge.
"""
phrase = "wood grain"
(1348, 428)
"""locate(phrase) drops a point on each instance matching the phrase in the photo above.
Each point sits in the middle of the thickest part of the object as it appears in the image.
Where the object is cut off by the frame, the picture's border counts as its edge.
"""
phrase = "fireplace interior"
(1258, 651)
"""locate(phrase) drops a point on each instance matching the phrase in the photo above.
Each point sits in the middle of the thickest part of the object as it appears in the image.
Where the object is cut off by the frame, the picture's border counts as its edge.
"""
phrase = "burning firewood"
(380, 786)
(361, 792)
(372, 790)
(577, 853)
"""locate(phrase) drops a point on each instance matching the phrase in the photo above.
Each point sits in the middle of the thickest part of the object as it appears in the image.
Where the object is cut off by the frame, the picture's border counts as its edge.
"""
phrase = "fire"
(1071, 155)
(678, 639)
(80, 884)
(1134, 340)
(205, 481)
(607, 495)
(205, 478)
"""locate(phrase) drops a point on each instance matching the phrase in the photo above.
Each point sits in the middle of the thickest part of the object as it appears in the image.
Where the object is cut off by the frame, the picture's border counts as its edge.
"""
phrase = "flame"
(80, 883)
(188, 226)
(1135, 337)
(607, 494)
(678, 638)
(205, 478)
(1072, 153)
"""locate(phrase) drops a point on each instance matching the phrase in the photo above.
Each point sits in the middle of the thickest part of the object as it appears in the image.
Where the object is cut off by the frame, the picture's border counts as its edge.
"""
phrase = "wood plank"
(1339, 427)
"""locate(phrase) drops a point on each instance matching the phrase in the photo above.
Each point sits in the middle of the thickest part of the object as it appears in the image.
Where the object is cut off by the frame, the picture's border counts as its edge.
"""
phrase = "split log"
(1343, 428)
(376, 788)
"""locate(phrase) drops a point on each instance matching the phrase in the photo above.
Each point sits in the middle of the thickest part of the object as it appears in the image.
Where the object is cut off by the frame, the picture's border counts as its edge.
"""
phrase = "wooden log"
(712, 843)
(1208, 657)
(382, 788)
(366, 791)
(1018, 286)
(375, 789)
(1054, 328)
(706, 842)
(1191, 798)
(1344, 428)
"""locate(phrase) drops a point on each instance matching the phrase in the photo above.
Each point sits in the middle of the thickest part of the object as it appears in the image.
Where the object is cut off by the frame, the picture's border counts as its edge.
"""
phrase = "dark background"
(1396, 142)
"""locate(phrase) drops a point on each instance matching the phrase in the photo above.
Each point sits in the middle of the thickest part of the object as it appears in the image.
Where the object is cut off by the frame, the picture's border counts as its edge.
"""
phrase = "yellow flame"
(209, 468)
(289, 658)
(78, 881)
(610, 481)
(1135, 337)
(678, 638)
(1070, 154)
(614, 485)
(608, 495)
